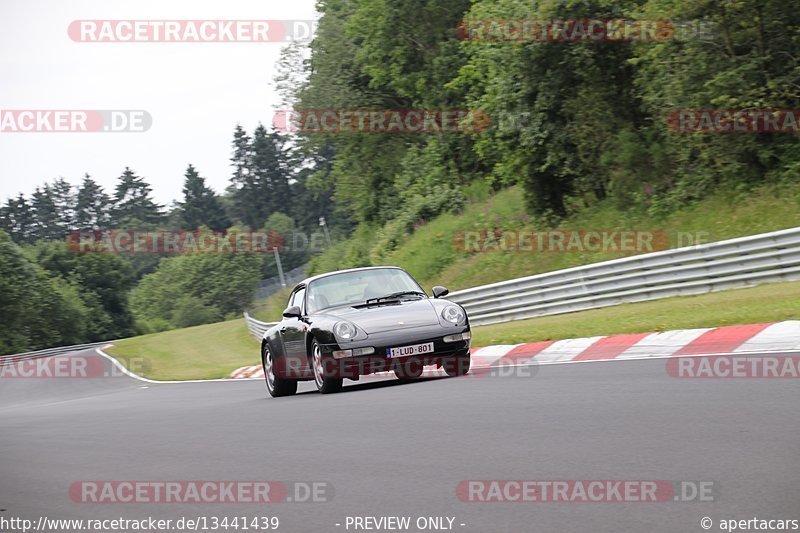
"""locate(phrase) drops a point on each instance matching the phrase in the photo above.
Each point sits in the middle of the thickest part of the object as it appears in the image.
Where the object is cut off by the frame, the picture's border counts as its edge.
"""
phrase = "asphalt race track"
(392, 449)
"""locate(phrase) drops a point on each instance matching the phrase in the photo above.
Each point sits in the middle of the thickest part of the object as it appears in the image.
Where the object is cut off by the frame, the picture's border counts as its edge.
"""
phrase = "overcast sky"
(195, 92)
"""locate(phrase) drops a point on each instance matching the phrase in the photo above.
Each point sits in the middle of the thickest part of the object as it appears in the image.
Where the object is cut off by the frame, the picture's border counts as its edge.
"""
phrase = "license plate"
(405, 351)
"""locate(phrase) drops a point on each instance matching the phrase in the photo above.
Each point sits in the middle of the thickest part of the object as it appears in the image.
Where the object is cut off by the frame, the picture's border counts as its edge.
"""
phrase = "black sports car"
(350, 323)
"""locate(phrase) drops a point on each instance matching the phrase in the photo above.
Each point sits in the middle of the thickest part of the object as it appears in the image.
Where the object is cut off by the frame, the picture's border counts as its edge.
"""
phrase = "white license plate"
(405, 351)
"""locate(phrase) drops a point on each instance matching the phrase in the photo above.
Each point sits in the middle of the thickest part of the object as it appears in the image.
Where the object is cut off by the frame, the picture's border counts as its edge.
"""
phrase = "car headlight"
(344, 330)
(453, 314)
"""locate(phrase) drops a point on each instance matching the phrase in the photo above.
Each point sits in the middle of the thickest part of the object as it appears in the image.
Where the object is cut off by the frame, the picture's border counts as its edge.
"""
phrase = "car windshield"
(357, 287)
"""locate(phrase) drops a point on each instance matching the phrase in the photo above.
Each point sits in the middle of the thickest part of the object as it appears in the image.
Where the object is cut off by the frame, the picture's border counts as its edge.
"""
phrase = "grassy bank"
(200, 352)
(430, 255)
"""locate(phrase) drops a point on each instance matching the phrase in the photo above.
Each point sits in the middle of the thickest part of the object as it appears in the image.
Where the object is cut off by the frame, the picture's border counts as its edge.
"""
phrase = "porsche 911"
(351, 323)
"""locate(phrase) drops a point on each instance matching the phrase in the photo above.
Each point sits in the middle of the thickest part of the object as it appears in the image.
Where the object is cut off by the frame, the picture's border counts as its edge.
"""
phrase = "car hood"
(388, 317)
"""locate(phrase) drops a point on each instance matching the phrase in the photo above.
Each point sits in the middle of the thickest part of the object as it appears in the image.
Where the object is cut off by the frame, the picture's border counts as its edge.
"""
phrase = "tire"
(275, 386)
(325, 384)
(457, 366)
(409, 370)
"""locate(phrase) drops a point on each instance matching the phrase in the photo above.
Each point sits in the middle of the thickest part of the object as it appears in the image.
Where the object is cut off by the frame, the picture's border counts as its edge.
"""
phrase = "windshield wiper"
(394, 296)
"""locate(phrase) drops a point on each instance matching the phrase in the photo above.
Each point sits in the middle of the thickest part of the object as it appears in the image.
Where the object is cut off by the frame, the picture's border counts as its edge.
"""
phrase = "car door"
(293, 337)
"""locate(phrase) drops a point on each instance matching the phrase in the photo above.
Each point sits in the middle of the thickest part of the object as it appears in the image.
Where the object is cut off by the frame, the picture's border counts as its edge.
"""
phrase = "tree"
(36, 311)
(132, 203)
(558, 107)
(102, 281)
(18, 219)
(219, 284)
(747, 61)
(271, 171)
(409, 48)
(92, 209)
(245, 204)
(291, 73)
(64, 200)
(260, 182)
(312, 190)
(296, 244)
(383, 55)
(200, 206)
(47, 221)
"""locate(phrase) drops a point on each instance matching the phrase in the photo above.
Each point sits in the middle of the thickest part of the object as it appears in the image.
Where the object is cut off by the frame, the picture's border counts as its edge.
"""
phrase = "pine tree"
(260, 182)
(264, 161)
(200, 206)
(271, 166)
(242, 155)
(47, 222)
(132, 203)
(92, 206)
(243, 182)
(18, 220)
(64, 200)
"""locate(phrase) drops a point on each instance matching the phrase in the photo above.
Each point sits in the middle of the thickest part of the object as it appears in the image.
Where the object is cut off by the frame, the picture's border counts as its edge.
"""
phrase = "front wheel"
(457, 366)
(325, 382)
(275, 386)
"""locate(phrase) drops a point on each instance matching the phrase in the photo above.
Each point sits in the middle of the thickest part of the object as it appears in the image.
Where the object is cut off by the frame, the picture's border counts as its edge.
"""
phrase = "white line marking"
(130, 374)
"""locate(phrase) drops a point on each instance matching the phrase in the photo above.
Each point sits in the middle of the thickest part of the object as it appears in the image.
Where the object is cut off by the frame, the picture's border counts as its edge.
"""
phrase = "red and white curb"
(750, 338)
(244, 372)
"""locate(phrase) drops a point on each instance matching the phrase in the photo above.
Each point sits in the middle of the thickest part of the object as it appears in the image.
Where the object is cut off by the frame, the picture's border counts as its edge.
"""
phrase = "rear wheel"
(275, 386)
(457, 366)
(325, 382)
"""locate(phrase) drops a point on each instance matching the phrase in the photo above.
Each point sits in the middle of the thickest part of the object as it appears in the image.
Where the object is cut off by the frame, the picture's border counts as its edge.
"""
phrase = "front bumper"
(354, 366)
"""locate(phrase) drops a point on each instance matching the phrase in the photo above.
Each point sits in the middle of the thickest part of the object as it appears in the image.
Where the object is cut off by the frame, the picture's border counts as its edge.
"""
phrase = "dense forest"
(573, 122)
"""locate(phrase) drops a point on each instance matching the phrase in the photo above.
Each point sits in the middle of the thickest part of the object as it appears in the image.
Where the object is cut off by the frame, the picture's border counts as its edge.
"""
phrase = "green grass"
(200, 352)
(429, 255)
(766, 303)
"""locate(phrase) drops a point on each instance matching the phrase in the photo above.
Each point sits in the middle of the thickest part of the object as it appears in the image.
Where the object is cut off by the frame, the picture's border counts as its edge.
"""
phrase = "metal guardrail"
(256, 327)
(742, 262)
(9, 359)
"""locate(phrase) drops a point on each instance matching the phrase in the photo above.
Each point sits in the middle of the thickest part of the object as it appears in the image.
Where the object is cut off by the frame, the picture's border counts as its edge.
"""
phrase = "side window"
(297, 298)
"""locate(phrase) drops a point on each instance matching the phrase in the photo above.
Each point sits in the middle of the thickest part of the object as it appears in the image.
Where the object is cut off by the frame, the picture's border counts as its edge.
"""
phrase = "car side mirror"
(292, 312)
(439, 291)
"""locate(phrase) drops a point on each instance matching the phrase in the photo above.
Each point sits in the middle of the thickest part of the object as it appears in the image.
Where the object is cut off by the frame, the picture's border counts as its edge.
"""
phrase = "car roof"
(306, 281)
